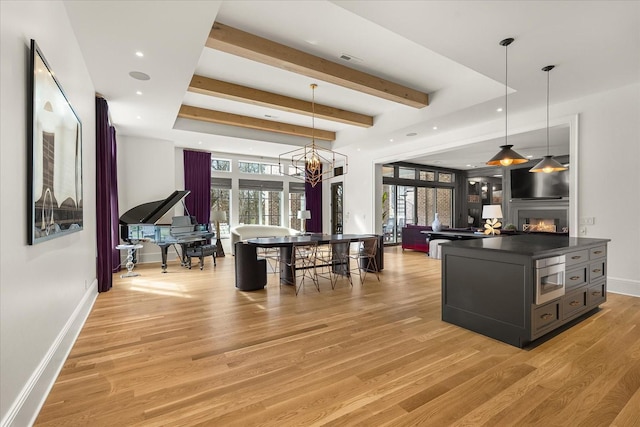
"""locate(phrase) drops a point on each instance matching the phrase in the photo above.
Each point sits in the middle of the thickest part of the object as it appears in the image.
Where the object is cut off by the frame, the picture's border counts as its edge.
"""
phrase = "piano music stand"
(129, 264)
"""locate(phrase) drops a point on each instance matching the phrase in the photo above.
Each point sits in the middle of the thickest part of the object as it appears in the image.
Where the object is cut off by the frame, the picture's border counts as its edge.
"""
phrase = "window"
(220, 197)
(432, 191)
(427, 176)
(445, 177)
(260, 168)
(260, 202)
(296, 203)
(220, 165)
(387, 171)
(407, 173)
(440, 200)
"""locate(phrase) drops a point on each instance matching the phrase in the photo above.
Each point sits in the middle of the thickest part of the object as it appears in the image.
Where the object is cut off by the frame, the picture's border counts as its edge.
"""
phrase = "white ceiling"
(449, 49)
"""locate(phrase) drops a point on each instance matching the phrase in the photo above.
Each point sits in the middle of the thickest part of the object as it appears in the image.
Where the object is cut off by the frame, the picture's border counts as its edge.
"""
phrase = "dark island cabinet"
(489, 285)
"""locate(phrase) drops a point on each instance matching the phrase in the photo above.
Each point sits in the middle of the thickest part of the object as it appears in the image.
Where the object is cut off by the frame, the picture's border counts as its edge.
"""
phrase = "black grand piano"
(138, 224)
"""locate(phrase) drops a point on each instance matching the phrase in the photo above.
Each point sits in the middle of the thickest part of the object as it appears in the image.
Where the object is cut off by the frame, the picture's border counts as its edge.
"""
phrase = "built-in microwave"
(549, 278)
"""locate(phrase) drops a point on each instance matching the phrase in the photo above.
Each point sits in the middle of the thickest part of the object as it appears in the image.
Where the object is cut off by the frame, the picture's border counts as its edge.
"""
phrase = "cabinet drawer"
(544, 316)
(596, 270)
(576, 277)
(598, 252)
(573, 302)
(573, 258)
(597, 294)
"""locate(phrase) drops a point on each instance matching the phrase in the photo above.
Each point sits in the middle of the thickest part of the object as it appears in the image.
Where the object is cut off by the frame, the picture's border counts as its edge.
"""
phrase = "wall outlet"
(583, 231)
(587, 220)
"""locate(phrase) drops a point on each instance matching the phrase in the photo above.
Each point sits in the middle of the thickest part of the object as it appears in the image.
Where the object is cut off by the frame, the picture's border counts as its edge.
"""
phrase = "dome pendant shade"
(548, 165)
(506, 157)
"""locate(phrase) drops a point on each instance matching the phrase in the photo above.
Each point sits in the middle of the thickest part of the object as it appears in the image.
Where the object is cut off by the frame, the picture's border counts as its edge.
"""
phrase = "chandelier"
(312, 163)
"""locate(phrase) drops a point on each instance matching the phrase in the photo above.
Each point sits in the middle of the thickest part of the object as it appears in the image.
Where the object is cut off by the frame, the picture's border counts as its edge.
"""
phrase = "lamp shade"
(548, 165)
(506, 157)
(304, 214)
(491, 211)
(218, 216)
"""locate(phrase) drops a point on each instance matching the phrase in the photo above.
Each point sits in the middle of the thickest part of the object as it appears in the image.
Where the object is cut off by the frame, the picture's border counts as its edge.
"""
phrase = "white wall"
(609, 188)
(46, 290)
(147, 171)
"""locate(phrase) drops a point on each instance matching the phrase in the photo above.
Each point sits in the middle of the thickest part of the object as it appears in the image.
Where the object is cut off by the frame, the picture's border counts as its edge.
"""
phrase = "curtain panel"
(313, 199)
(197, 179)
(107, 219)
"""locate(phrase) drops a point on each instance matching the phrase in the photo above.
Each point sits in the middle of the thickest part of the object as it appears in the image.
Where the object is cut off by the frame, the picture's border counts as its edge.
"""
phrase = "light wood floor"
(185, 348)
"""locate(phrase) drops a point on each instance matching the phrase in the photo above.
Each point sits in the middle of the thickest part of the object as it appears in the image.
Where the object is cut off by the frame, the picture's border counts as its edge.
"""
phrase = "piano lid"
(150, 213)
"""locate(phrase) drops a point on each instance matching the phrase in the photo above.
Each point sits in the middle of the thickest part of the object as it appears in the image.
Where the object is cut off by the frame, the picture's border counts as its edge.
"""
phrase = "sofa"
(252, 231)
(413, 237)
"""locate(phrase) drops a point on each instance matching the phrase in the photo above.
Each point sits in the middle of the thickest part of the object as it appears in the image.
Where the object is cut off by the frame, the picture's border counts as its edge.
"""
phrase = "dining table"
(285, 245)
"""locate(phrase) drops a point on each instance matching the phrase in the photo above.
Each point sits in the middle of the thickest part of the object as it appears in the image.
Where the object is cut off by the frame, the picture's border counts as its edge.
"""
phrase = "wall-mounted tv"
(530, 185)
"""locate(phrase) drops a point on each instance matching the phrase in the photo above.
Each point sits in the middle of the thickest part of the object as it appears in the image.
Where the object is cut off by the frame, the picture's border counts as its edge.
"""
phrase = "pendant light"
(313, 163)
(506, 156)
(548, 164)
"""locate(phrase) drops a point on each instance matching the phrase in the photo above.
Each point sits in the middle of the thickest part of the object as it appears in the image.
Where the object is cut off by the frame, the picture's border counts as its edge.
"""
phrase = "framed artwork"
(54, 169)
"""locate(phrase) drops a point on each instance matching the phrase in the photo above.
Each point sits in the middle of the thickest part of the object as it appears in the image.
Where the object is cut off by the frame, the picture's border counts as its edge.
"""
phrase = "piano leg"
(163, 251)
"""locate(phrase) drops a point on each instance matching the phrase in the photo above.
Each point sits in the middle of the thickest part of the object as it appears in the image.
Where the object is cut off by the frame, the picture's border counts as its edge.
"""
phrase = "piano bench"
(201, 252)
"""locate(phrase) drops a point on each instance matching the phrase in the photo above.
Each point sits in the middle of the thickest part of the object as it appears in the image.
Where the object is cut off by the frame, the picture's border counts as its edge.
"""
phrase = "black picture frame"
(54, 156)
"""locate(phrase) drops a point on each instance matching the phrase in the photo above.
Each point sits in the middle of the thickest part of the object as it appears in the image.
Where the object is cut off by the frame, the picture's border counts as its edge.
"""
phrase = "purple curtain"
(108, 258)
(197, 179)
(313, 198)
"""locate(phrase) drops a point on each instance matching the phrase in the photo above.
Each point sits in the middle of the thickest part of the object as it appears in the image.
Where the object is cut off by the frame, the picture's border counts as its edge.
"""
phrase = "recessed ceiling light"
(529, 156)
(468, 166)
(199, 142)
(435, 128)
(391, 140)
(411, 134)
(138, 117)
(138, 92)
(139, 54)
(499, 110)
(139, 75)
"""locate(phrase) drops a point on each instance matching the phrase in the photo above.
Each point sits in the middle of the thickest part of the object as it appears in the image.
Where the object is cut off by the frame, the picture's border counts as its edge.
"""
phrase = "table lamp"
(304, 216)
(217, 217)
(492, 213)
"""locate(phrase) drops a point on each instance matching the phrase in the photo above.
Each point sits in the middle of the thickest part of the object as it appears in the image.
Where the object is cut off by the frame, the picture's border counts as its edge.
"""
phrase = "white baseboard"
(25, 409)
(623, 286)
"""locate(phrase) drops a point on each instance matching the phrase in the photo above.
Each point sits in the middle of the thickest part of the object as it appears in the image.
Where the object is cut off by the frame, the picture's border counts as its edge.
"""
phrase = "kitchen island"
(518, 288)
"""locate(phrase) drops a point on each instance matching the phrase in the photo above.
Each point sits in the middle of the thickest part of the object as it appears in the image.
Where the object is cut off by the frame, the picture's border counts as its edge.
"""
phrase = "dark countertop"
(529, 244)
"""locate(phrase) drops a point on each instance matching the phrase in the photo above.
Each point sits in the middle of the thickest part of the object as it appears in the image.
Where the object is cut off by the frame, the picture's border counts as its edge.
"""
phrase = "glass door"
(336, 208)
(405, 208)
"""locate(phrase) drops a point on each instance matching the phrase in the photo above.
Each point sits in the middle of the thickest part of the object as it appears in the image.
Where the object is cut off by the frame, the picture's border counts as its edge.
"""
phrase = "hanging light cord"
(313, 113)
(548, 111)
(506, 79)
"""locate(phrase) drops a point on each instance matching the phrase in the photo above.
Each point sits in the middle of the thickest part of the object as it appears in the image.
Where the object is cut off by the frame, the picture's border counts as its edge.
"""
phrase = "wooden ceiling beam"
(220, 117)
(246, 45)
(212, 87)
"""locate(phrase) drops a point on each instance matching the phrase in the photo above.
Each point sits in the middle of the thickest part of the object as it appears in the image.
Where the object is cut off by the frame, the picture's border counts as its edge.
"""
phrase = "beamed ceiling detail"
(236, 42)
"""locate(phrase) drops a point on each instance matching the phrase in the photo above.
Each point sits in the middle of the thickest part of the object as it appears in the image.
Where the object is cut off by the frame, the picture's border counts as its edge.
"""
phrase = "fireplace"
(547, 220)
